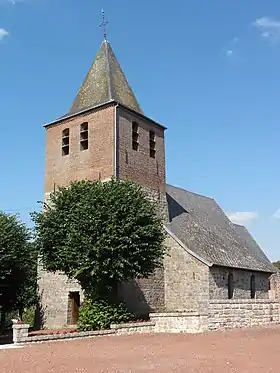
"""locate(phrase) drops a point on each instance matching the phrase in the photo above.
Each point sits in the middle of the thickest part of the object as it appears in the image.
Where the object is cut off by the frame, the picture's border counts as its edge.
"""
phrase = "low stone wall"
(131, 328)
(229, 314)
(179, 322)
(20, 332)
(20, 335)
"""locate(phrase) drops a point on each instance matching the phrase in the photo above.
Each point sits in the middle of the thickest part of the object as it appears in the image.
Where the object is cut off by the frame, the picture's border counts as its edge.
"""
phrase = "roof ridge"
(108, 69)
(188, 191)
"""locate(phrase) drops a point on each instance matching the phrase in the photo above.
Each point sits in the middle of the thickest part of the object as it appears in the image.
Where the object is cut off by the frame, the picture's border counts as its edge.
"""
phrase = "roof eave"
(202, 260)
(100, 106)
(245, 268)
(84, 111)
(143, 116)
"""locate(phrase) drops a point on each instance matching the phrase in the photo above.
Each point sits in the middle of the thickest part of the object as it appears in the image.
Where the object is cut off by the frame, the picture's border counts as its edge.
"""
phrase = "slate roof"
(202, 226)
(104, 82)
(250, 242)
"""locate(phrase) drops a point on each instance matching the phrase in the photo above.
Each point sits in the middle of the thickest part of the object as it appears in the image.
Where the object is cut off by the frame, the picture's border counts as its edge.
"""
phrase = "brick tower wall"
(99, 162)
(95, 163)
(144, 295)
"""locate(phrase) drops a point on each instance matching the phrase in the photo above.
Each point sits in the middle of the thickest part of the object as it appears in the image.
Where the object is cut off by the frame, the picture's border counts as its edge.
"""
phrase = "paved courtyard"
(242, 351)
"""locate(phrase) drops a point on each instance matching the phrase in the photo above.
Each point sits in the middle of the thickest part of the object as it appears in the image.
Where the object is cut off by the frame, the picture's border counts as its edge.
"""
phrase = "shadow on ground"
(6, 337)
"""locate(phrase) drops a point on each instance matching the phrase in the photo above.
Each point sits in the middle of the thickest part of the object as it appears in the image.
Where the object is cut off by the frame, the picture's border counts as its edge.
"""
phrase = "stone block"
(20, 332)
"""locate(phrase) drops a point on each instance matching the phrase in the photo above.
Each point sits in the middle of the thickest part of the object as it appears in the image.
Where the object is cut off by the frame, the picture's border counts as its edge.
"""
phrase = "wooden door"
(74, 298)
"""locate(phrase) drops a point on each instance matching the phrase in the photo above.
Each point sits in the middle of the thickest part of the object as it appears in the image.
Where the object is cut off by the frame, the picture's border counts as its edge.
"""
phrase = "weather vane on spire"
(104, 24)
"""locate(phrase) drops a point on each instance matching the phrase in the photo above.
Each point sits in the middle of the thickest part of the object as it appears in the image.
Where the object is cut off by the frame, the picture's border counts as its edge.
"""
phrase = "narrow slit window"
(126, 157)
(65, 141)
(230, 286)
(135, 136)
(253, 286)
(152, 145)
(84, 136)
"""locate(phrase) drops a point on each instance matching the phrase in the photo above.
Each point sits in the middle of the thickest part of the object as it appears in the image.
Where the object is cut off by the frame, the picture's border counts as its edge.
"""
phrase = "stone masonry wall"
(218, 280)
(275, 286)
(133, 328)
(179, 322)
(228, 314)
(54, 290)
(181, 285)
(143, 296)
(186, 280)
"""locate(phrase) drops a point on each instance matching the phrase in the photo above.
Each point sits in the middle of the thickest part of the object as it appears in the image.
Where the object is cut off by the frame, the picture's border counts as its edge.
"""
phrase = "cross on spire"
(103, 24)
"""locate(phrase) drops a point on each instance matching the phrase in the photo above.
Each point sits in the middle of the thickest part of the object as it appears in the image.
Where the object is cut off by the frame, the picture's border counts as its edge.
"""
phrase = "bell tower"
(105, 133)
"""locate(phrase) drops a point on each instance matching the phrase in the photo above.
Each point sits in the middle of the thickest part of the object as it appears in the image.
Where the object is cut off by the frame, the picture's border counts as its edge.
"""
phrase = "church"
(214, 268)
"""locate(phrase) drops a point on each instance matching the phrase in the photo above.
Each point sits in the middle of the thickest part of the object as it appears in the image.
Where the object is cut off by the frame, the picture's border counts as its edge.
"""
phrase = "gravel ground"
(242, 351)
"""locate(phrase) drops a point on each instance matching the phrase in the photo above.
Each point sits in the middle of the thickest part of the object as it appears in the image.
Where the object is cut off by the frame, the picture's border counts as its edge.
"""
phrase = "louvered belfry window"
(84, 136)
(152, 145)
(65, 141)
(135, 136)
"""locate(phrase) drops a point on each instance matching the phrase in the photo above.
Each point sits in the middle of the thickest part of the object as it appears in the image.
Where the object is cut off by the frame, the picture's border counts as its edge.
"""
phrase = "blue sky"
(208, 70)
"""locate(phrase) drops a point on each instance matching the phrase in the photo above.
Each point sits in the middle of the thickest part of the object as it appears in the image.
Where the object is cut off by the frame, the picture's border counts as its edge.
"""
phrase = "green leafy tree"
(277, 264)
(18, 266)
(100, 234)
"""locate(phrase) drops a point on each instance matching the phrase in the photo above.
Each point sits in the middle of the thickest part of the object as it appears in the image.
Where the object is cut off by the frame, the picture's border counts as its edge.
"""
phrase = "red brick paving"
(242, 351)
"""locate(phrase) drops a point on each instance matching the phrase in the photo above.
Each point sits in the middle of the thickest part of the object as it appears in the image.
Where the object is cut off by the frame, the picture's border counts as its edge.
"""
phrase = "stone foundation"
(229, 314)
(179, 322)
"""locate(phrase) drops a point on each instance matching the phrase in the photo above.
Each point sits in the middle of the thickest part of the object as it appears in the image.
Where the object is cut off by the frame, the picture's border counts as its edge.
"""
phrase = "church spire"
(105, 81)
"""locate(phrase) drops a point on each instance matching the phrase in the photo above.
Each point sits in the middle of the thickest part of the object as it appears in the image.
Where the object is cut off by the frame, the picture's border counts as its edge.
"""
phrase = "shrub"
(29, 316)
(95, 315)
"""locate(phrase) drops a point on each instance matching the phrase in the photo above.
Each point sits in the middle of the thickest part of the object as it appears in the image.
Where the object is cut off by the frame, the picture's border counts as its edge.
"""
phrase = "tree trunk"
(20, 313)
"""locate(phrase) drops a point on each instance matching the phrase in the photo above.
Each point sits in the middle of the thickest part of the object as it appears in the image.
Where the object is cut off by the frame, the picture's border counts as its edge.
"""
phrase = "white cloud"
(13, 2)
(3, 33)
(232, 47)
(243, 217)
(268, 27)
(276, 215)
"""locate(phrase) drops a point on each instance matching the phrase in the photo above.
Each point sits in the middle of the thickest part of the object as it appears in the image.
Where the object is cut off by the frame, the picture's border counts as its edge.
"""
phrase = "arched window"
(230, 285)
(135, 136)
(253, 286)
(152, 145)
(84, 136)
(65, 141)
